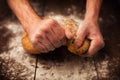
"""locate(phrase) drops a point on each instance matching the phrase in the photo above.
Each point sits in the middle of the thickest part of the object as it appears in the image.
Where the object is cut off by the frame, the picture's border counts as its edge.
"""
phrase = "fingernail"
(75, 43)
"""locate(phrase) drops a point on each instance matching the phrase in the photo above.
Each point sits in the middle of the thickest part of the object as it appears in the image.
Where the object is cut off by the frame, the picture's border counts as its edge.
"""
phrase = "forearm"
(24, 12)
(92, 9)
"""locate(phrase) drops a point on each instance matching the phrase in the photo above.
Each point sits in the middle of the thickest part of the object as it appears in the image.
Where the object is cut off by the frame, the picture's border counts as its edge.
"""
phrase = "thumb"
(68, 33)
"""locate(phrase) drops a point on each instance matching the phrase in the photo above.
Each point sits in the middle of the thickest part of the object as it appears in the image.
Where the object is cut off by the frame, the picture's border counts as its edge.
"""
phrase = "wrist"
(31, 24)
(91, 17)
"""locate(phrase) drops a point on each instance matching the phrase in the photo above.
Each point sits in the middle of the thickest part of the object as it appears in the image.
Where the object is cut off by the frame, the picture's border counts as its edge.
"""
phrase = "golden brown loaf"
(27, 44)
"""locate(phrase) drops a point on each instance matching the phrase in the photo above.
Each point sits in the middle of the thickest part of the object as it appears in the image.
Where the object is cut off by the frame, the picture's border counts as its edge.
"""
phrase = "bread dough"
(27, 44)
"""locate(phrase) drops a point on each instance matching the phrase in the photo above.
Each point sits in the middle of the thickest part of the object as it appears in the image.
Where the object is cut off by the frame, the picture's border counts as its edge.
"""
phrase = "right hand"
(46, 35)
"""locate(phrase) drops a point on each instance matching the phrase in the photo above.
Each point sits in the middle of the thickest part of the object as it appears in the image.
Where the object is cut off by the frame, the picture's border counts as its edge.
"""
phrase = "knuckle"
(99, 45)
(33, 40)
(102, 44)
(52, 49)
(52, 21)
(46, 31)
(90, 54)
(57, 44)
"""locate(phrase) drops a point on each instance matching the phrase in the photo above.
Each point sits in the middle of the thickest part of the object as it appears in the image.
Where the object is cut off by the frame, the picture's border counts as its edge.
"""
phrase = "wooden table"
(16, 64)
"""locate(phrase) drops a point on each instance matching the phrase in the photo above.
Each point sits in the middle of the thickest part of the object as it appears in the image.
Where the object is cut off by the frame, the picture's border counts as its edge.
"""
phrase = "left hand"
(89, 29)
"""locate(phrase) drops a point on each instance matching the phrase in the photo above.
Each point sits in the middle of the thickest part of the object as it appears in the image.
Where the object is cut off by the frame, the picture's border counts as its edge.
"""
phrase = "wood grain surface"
(16, 64)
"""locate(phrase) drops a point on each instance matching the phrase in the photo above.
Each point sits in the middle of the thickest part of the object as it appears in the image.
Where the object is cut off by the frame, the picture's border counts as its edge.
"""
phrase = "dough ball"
(73, 27)
(82, 50)
(27, 44)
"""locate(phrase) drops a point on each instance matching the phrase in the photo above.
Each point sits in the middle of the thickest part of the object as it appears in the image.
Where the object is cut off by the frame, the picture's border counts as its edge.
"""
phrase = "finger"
(68, 33)
(48, 46)
(96, 45)
(58, 36)
(59, 31)
(63, 41)
(45, 42)
(51, 33)
(81, 34)
(52, 39)
(41, 47)
(37, 45)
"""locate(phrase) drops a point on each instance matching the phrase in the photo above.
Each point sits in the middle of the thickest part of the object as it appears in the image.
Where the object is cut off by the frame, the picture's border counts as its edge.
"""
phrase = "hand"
(46, 35)
(89, 29)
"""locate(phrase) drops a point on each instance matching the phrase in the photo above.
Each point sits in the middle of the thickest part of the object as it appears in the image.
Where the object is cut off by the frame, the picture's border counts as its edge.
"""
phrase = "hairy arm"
(93, 9)
(24, 12)
(90, 28)
(44, 34)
